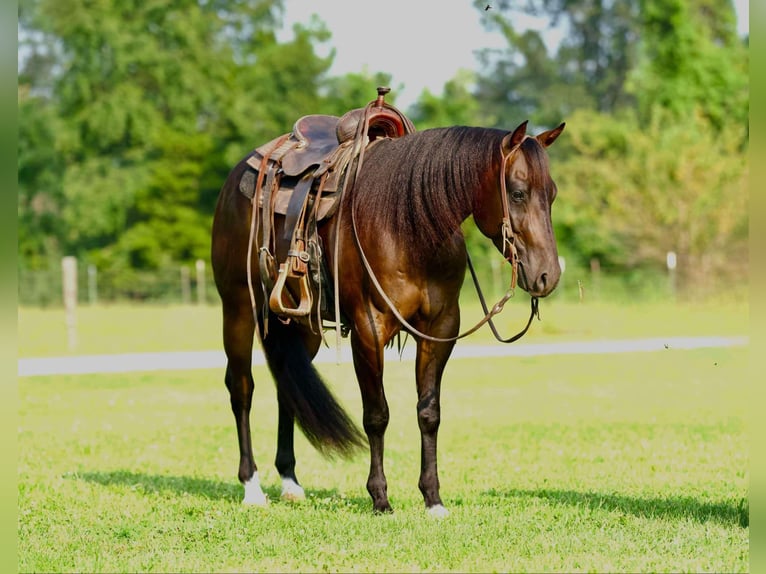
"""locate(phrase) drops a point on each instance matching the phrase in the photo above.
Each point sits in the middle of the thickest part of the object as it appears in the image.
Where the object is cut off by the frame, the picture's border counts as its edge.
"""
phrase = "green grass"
(632, 462)
(126, 328)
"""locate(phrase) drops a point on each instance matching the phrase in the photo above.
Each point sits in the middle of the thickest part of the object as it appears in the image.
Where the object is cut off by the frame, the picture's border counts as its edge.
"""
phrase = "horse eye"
(517, 195)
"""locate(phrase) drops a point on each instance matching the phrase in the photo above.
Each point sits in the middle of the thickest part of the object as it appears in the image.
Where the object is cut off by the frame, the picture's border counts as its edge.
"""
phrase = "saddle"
(302, 176)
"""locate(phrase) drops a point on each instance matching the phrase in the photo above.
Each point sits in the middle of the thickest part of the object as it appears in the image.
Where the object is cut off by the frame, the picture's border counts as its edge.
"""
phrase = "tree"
(40, 185)
(587, 70)
(353, 90)
(141, 109)
(681, 186)
(655, 95)
(455, 106)
(692, 59)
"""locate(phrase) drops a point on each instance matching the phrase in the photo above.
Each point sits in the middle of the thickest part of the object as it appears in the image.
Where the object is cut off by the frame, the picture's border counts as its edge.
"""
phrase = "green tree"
(587, 70)
(692, 59)
(455, 106)
(141, 109)
(353, 90)
(40, 184)
(655, 97)
(681, 186)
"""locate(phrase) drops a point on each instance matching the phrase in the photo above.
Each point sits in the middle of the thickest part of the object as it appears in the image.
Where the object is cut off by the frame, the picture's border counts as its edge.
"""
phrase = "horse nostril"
(543, 280)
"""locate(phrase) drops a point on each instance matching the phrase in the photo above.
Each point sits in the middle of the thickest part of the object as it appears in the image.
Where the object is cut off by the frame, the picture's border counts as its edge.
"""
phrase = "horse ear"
(547, 138)
(513, 139)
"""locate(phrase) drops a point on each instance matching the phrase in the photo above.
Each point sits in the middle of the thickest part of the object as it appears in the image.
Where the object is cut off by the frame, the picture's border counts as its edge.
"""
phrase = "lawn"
(629, 462)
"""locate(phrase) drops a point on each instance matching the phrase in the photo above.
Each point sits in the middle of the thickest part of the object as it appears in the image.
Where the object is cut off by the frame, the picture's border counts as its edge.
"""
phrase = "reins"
(508, 245)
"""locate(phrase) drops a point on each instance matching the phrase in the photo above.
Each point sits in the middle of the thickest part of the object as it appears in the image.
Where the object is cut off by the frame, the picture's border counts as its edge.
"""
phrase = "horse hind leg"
(238, 330)
(292, 491)
(304, 398)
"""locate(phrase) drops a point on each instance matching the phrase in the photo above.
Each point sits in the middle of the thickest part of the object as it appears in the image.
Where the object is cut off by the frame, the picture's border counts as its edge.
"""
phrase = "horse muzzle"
(541, 283)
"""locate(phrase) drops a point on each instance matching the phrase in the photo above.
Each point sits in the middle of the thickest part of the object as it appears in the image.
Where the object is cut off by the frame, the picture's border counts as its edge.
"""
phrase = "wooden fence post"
(672, 262)
(69, 283)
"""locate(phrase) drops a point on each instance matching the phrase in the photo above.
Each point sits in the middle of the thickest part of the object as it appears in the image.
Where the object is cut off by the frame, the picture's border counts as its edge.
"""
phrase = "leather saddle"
(301, 175)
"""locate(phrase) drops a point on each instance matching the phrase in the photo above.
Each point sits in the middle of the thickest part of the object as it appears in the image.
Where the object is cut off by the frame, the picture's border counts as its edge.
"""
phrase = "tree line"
(132, 113)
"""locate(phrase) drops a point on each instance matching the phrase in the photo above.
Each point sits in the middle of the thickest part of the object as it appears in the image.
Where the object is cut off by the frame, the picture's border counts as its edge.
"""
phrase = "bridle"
(509, 246)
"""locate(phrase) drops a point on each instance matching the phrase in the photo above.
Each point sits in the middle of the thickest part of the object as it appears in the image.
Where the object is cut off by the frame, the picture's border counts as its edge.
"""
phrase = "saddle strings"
(253, 232)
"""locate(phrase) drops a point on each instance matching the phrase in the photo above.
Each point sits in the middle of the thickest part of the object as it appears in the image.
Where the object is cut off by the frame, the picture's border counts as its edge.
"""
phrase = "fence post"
(672, 262)
(69, 283)
(185, 285)
(200, 264)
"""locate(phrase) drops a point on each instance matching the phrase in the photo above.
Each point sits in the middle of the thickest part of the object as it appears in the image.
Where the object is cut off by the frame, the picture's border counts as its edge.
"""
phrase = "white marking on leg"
(437, 511)
(292, 491)
(253, 493)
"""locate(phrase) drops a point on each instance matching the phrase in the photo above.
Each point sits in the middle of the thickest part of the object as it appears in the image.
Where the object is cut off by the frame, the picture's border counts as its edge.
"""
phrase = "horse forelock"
(420, 187)
(538, 173)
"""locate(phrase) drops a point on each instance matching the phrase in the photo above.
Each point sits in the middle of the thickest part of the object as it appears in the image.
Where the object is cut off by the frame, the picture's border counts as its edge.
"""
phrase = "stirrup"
(276, 303)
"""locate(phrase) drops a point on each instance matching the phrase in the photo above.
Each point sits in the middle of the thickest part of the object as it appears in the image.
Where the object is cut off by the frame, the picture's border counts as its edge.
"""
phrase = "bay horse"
(401, 256)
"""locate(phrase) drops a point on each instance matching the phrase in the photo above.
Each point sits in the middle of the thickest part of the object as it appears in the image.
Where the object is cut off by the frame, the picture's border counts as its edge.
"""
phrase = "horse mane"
(419, 186)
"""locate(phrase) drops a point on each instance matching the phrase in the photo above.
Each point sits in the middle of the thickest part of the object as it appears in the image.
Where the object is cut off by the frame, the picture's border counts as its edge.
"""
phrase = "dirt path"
(129, 362)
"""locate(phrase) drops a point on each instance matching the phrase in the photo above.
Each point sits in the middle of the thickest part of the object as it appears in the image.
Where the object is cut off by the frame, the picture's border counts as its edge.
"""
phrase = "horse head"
(523, 200)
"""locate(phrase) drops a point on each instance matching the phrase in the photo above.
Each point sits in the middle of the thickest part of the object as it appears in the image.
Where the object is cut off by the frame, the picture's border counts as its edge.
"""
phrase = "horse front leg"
(367, 349)
(429, 364)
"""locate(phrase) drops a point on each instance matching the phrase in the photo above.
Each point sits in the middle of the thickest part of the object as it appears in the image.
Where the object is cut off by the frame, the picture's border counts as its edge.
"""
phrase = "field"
(627, 462)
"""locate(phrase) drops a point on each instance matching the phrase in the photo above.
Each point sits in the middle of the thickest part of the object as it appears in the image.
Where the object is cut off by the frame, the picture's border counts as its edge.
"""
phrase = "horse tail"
(300, 388)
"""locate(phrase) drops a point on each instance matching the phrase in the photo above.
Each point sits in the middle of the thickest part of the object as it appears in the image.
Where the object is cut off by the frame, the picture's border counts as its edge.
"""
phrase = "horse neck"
(446, 173)
(483, 185)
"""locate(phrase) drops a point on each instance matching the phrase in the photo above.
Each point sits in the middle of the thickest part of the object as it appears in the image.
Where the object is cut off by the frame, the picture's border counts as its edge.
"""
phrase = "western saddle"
(302, 176)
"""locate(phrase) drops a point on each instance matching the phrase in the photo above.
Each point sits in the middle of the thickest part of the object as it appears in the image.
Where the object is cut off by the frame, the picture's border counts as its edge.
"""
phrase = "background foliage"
(132, 113)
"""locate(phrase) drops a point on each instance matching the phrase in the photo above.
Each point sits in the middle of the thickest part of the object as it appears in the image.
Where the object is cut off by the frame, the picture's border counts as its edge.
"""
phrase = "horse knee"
(376, 423)
(429, 416)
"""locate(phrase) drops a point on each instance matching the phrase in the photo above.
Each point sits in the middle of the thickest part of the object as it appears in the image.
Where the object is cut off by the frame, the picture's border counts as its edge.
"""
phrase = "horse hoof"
(292, 491)
(254, 495)
(437, 511)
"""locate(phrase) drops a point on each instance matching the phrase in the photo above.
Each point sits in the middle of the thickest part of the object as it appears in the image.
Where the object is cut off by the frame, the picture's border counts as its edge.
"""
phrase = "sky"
(421, 43)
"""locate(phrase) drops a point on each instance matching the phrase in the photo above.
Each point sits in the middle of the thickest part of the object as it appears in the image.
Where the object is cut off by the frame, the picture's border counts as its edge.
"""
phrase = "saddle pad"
(327, 203)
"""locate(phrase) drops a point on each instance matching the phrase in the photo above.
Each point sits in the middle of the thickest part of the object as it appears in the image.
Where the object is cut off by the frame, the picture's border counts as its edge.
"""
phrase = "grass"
(130, 328)
(619, 463)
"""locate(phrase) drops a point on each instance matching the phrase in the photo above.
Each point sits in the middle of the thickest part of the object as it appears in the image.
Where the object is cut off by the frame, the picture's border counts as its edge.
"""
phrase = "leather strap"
(297, 205)
(534, 303)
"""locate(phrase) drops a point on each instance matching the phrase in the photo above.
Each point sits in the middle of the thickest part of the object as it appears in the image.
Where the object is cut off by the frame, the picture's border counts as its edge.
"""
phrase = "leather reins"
(509, 246)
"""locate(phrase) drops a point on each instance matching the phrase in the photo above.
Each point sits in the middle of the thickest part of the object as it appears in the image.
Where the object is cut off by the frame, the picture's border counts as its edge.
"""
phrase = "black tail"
(300, 388)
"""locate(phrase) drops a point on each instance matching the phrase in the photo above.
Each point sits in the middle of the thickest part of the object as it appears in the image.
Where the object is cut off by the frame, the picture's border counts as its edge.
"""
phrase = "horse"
(401, 258)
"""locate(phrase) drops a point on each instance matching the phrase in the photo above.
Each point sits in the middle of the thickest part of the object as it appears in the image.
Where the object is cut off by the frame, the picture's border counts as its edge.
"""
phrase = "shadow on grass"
(673, 507)
(215, 489)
